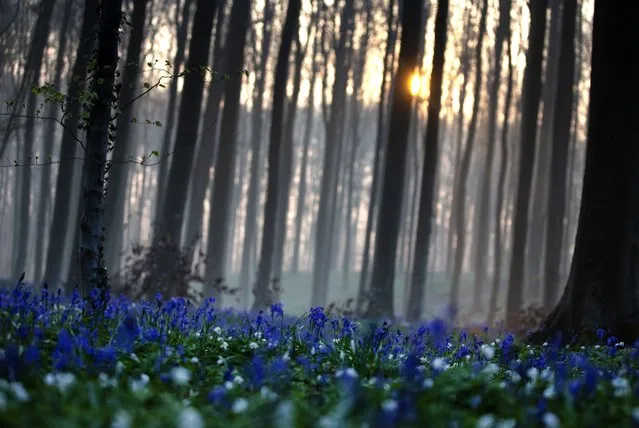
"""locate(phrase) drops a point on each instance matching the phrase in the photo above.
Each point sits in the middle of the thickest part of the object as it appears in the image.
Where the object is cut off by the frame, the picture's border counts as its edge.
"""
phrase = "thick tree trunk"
(602, 288)
(119, 170)
(382, 280)
(559, 160)
(222, 192)
(94, 272)
(483, 222)
(47, 149)
(531, 92)
(169, 123)
(460, 193)
(274, 156)
(431, 141)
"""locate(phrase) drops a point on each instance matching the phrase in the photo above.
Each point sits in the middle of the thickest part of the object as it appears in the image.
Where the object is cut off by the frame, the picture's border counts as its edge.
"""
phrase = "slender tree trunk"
(499, 242)
(561, 140)
(222, 192)
(47, 149)
(377, 162)
(178, 60)
(531, 93)
(274, 156)
(539, 208)
(94, 272)
(483, 222)
(123, 146)
(253, 193)
(601, 291)
(208, 141)
(431, 141)
(382, 279)
(460, 193)
(176, 191)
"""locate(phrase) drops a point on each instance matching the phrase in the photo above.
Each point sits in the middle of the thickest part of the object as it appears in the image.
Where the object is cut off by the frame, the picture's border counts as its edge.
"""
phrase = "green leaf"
(155, 153)
(158, 123)
(147, 85)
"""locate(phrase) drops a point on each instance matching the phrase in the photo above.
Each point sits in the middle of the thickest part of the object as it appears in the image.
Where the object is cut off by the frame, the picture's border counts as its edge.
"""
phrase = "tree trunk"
(222, 192)
(328, 190)
(531, 92)
(602, 288)
(47, 149)
(208, 141)
(539, 209)
(460, 193)
(170, 224)
(499, 242)
(289, 31)
(377, 162)
(99, 136)
(559, 160)
(483, 222)
(382, 290)
(431, 141)
(124, 146)
(178, 60)
(253, 193)
(64, 196)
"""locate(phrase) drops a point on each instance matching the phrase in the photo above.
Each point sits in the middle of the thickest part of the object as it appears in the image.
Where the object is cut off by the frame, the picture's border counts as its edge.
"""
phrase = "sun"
(415, 83)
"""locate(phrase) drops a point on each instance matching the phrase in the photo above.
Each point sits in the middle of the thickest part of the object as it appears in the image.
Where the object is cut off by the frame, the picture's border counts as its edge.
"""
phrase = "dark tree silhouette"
(601, 291)
(98, 135)
(382, 279)
(270, 208)
(431, 141)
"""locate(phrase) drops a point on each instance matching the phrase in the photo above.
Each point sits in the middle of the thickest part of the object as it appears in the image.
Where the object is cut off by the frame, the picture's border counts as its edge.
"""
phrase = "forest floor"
(83, 363)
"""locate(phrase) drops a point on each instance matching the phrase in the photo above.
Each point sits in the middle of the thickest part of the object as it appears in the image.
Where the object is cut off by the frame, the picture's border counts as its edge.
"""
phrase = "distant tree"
(382, 280)
(559, 155)
(431, 141)
(276, 134)
(68, 149)
(176, 191)
(460, 191)
(531, 93)
(99, 135)
(602, 289)
(118, 171)
(221, 194)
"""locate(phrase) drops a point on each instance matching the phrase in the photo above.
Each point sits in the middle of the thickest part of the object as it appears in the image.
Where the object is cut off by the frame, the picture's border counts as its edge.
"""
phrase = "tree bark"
(93, 270)
(602, 288)
(531, 93)
(274, 155)
(431, 141)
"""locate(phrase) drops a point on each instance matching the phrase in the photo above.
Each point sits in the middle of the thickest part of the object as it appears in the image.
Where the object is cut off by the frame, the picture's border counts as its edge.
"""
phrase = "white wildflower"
(195, 360)
(220, 361)
(439, 364)
(486, 421)
(389, 405)
(238, 379)
(490, 369)
(190, 418)
(551, 420)
(224, 346)
(550, 392)
(19, 392)
(63, 381)
(180, 375)
(285, 413)
(428, 383)
(228, 385)
(533, 373)
(217, 330)
(286, 357)
(487, 351)
(506, 423)
(134, 357)
(253, 345)
(240, 405)
(621, 386)
(121, 419)
(119, 366)
(635, 414)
